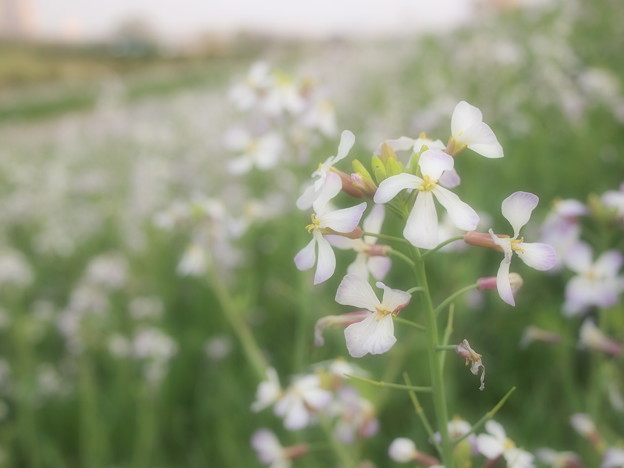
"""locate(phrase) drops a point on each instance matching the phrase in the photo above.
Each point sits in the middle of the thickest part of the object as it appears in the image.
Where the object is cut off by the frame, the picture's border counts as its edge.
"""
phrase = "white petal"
(608, 264)
(580, 293)
(341, 242)
(433, 163)
(489, 446)
(503, 284)
(517, 209)
(537, 255)
(460, 213)
(400, 144)
(306, 199)
(463, 117)
(344, 220)
(373, 222)
(379, 267)
(307, 256)
(347, 139)
(389, 188)
(393, 298)
(317, 398)
(326, 264)
(359, 267)
(330, 188)
(297, 416)
(496, 430)
(481, 139)
(450, 179)
(355, 291)
(421, 228)
(370, 336)
(578, 258)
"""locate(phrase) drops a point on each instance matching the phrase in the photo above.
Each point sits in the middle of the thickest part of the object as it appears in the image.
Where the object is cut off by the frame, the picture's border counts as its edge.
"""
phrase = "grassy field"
(113, 358)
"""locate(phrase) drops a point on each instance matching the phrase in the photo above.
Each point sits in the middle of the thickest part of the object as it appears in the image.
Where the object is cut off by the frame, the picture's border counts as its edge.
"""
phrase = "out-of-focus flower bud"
(481, 239)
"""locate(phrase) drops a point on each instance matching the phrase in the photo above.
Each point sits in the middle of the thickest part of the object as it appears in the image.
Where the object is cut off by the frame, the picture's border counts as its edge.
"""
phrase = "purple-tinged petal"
(433, 163)
(460, 213)
(537, 255)
(503, 284)
(389, 188)
(609, 263)
(517, 209)
(355, 291)
(331, 188)
(347, 140)
(578, 258)
(379, 266)
(344, 220)
(370, 336)
(450, 179)
(341, 242)
(393, 299)
(326, 264)
(306, 199)
(306, 257)
(421, 228)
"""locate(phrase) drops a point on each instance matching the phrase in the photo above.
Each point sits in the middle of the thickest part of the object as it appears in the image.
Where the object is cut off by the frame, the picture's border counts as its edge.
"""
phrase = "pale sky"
(180, 19)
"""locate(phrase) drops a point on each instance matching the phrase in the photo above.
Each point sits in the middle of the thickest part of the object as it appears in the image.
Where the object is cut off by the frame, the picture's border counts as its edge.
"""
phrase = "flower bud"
(532, 333)
(402, 450)
(379, 169)
(593, 338)
(481, 239)
(364, 185)
(336, 321)
(347, 184)
(489, 282)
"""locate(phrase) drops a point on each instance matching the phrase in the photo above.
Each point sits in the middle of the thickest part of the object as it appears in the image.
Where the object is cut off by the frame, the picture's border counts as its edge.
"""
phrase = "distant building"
(17, 19)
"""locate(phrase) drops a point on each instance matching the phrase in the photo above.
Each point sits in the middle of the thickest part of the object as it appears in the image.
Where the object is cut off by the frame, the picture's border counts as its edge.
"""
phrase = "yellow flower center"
(316, 224)
(381, 312)
(427, 185)
(509, 444)
(516, 243)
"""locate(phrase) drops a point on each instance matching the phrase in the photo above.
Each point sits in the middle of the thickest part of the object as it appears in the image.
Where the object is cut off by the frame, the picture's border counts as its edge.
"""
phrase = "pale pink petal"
(450, 179)
(331, 188)
(359, 267)
(608, 264)
(344, 220)
(306, 199)
(326, 264)
(503, 284)
(481, 139)
(537, 255)
(347, 140)
(266, 444)
(373, 222)
(389, 188)
(421, 228)
(460, 213)
(355, 291)
(433, 163)
(578, 258)
(379, 266)
(370, 336)
(393, 299)
(307, 256)
(463, 117)
(580, 293)
(517, 209)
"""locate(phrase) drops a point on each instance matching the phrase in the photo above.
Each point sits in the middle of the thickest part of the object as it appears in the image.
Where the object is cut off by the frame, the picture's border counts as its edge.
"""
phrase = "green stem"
(421, 414)
(489, 415)
(385, 237)
(446, 347)
(441, 245)
(410, 323)
(343, 455)
(402, 256)
(453, 296)
(435, 369)
(380, 383)
(447, 333)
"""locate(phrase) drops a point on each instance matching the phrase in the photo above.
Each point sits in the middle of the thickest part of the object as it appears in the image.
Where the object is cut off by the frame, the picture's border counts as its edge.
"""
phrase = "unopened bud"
(394, 167)
(387, 152)
(593, 338)
(379, 169)
(347, 184)
(532, 333)
(378, 250)
(481, 239)
(343, 320)
(366, 186)
(489, 282)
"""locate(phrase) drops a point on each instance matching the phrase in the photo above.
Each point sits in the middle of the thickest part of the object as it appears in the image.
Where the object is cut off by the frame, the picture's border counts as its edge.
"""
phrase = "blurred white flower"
(496, 443)
(470, 131)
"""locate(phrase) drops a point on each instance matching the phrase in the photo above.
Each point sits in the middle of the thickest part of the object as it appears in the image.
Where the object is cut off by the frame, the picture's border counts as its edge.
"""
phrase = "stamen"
(427, 185)
(381, 312)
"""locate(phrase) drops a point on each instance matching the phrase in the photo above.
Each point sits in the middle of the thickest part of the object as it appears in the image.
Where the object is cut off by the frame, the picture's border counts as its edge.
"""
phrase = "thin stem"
(453, 296)
(380, 383)
(344, 457)
(435, 369)
(447, 333)
(402, 256)
(441, 245)
(414, 289)
(489, 415)
(385, 237)
(421, 414)
(410, 323)
(445, 348)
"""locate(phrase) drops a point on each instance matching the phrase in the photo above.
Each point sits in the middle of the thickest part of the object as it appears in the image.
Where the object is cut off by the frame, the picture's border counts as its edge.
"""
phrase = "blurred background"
(117, 273)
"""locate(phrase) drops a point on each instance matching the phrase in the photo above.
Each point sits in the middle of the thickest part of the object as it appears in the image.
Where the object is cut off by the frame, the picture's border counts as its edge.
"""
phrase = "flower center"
(381, 312)
(516, 245)
(509, 444)
(427, 184)
(316, 224)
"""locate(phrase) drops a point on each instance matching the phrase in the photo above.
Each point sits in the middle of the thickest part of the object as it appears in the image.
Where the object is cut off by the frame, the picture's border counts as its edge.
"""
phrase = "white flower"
(556, 459)
(496, 443)
(468, 129)
(323, 222)
(596, 284)
(269, 450)
(421, 228)
(194, 262)
(561, 228)
(370, 257)
(583, 424)
(312, 192)
(592, 337)
(615, 199)
(268, 392)
(258, 80)
(402, 450)
(263, 151)
(613, 458)
(300, 401)
(375, 333)
(517, 209)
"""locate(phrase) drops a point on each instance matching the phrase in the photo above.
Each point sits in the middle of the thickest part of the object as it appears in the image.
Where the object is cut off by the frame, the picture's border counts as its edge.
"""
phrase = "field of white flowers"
(344, 254)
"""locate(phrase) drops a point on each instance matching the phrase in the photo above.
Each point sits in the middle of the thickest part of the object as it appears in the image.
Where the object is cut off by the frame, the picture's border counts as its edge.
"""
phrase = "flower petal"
(379, 267)
(306, 199)
(503, 284)
(393, 299)
(373, 222)
(326, 264)
(517, 209)
(460, 213)
(489, 446)
(307, 256)
(355, 291)
(464, 115)
(341, 242)
(496, 430)
(330, 188)
(347, 140)
(421, 228)
(481, 139)
(344, 220)
(578, 258)
(359, 267)
(433, 163)
(537, 255)
(389, 188)
(609, 263)
(370, 336)
(450, 179)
